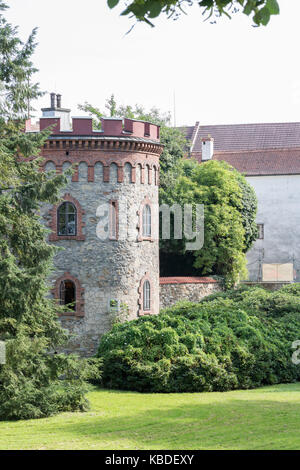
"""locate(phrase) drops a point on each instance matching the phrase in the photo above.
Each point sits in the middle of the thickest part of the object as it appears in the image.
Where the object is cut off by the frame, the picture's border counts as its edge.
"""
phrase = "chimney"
(207, 148)
(58, 101)
(56, 111)
(52, 98)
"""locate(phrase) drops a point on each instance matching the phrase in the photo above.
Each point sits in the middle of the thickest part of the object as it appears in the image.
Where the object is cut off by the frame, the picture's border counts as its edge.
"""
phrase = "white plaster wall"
(279, 211)
(207, 149)
(65, 124)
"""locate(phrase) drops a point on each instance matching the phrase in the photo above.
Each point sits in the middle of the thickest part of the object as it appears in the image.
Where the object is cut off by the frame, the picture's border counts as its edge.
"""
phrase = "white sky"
(223, 73)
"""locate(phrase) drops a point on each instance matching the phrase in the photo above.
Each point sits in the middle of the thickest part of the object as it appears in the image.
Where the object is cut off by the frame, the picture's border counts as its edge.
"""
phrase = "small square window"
(260, 229)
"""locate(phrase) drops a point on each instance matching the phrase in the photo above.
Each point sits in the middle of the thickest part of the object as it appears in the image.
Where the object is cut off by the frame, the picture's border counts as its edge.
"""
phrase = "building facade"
(106, 221)
(269, 156)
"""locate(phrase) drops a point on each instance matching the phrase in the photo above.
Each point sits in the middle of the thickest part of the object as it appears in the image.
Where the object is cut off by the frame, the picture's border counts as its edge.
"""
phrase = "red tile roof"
(235, 137)
(186, 280)
(254, 149)
(261, 162)
(188, 131)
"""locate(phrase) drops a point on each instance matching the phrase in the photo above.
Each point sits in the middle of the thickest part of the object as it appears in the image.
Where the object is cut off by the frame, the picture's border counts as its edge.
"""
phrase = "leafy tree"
(147, 10)
(29, 380)
(111, 105)
(249, 202)
(132, 112)
(229, 220)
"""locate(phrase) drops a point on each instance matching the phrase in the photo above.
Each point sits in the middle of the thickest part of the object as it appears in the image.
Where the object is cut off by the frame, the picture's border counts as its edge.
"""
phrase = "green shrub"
(238, 339)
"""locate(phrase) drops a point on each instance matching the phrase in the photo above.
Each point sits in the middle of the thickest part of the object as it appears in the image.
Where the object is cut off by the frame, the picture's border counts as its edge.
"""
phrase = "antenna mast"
(28, 99)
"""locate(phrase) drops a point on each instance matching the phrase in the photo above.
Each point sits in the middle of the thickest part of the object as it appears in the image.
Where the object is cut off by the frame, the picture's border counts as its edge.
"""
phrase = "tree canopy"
(229, 221)
(147, 10)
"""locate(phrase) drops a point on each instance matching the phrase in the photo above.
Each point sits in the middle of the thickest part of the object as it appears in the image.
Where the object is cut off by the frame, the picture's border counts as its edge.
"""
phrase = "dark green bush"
(238, 339)
(29, 391)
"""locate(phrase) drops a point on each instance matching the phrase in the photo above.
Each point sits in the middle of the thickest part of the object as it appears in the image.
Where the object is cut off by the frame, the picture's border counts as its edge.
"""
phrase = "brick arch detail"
(141, 311)
(48, 161)
(132, 170)
(79, 294)
(54, 237)
(148, 169)
(155, 174)
(58, 158)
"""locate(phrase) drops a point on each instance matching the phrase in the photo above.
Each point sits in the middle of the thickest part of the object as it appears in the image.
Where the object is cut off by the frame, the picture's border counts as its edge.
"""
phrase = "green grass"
(265, 418)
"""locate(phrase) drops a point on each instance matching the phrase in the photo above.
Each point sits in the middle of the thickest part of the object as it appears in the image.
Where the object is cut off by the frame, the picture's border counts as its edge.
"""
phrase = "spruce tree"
(30, 385)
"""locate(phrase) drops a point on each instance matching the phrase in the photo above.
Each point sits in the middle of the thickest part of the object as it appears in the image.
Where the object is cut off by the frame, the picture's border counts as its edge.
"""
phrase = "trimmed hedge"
(239, 339)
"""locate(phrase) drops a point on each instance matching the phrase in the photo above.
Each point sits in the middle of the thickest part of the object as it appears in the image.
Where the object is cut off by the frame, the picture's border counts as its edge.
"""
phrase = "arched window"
(67, 219)
(68, 291)
(67, 294)
(146, 296)
(147, 221)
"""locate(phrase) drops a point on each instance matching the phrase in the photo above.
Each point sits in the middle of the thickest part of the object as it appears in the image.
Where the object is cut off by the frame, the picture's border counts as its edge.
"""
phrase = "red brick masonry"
(186, 280)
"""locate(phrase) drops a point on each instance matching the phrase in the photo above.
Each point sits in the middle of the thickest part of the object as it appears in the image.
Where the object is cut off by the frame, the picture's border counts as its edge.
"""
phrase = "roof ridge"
(194, 135)
(264, 150)
(251, 124)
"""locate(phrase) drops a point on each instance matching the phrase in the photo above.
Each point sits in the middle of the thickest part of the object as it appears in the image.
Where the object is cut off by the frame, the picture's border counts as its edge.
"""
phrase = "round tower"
(107, 222)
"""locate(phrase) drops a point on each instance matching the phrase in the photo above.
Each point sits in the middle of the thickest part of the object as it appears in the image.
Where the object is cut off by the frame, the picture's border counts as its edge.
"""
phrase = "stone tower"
(106, 222)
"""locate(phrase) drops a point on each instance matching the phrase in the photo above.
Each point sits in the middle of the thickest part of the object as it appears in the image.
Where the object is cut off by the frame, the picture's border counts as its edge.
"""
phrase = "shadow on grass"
(264, 418)
(232, 424)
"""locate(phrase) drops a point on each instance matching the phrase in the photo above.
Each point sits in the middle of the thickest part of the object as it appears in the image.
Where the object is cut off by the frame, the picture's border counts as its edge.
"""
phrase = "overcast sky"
(221, 73)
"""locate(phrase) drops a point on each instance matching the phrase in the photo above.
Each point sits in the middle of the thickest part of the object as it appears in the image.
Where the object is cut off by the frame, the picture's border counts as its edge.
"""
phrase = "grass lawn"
(265, 418)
